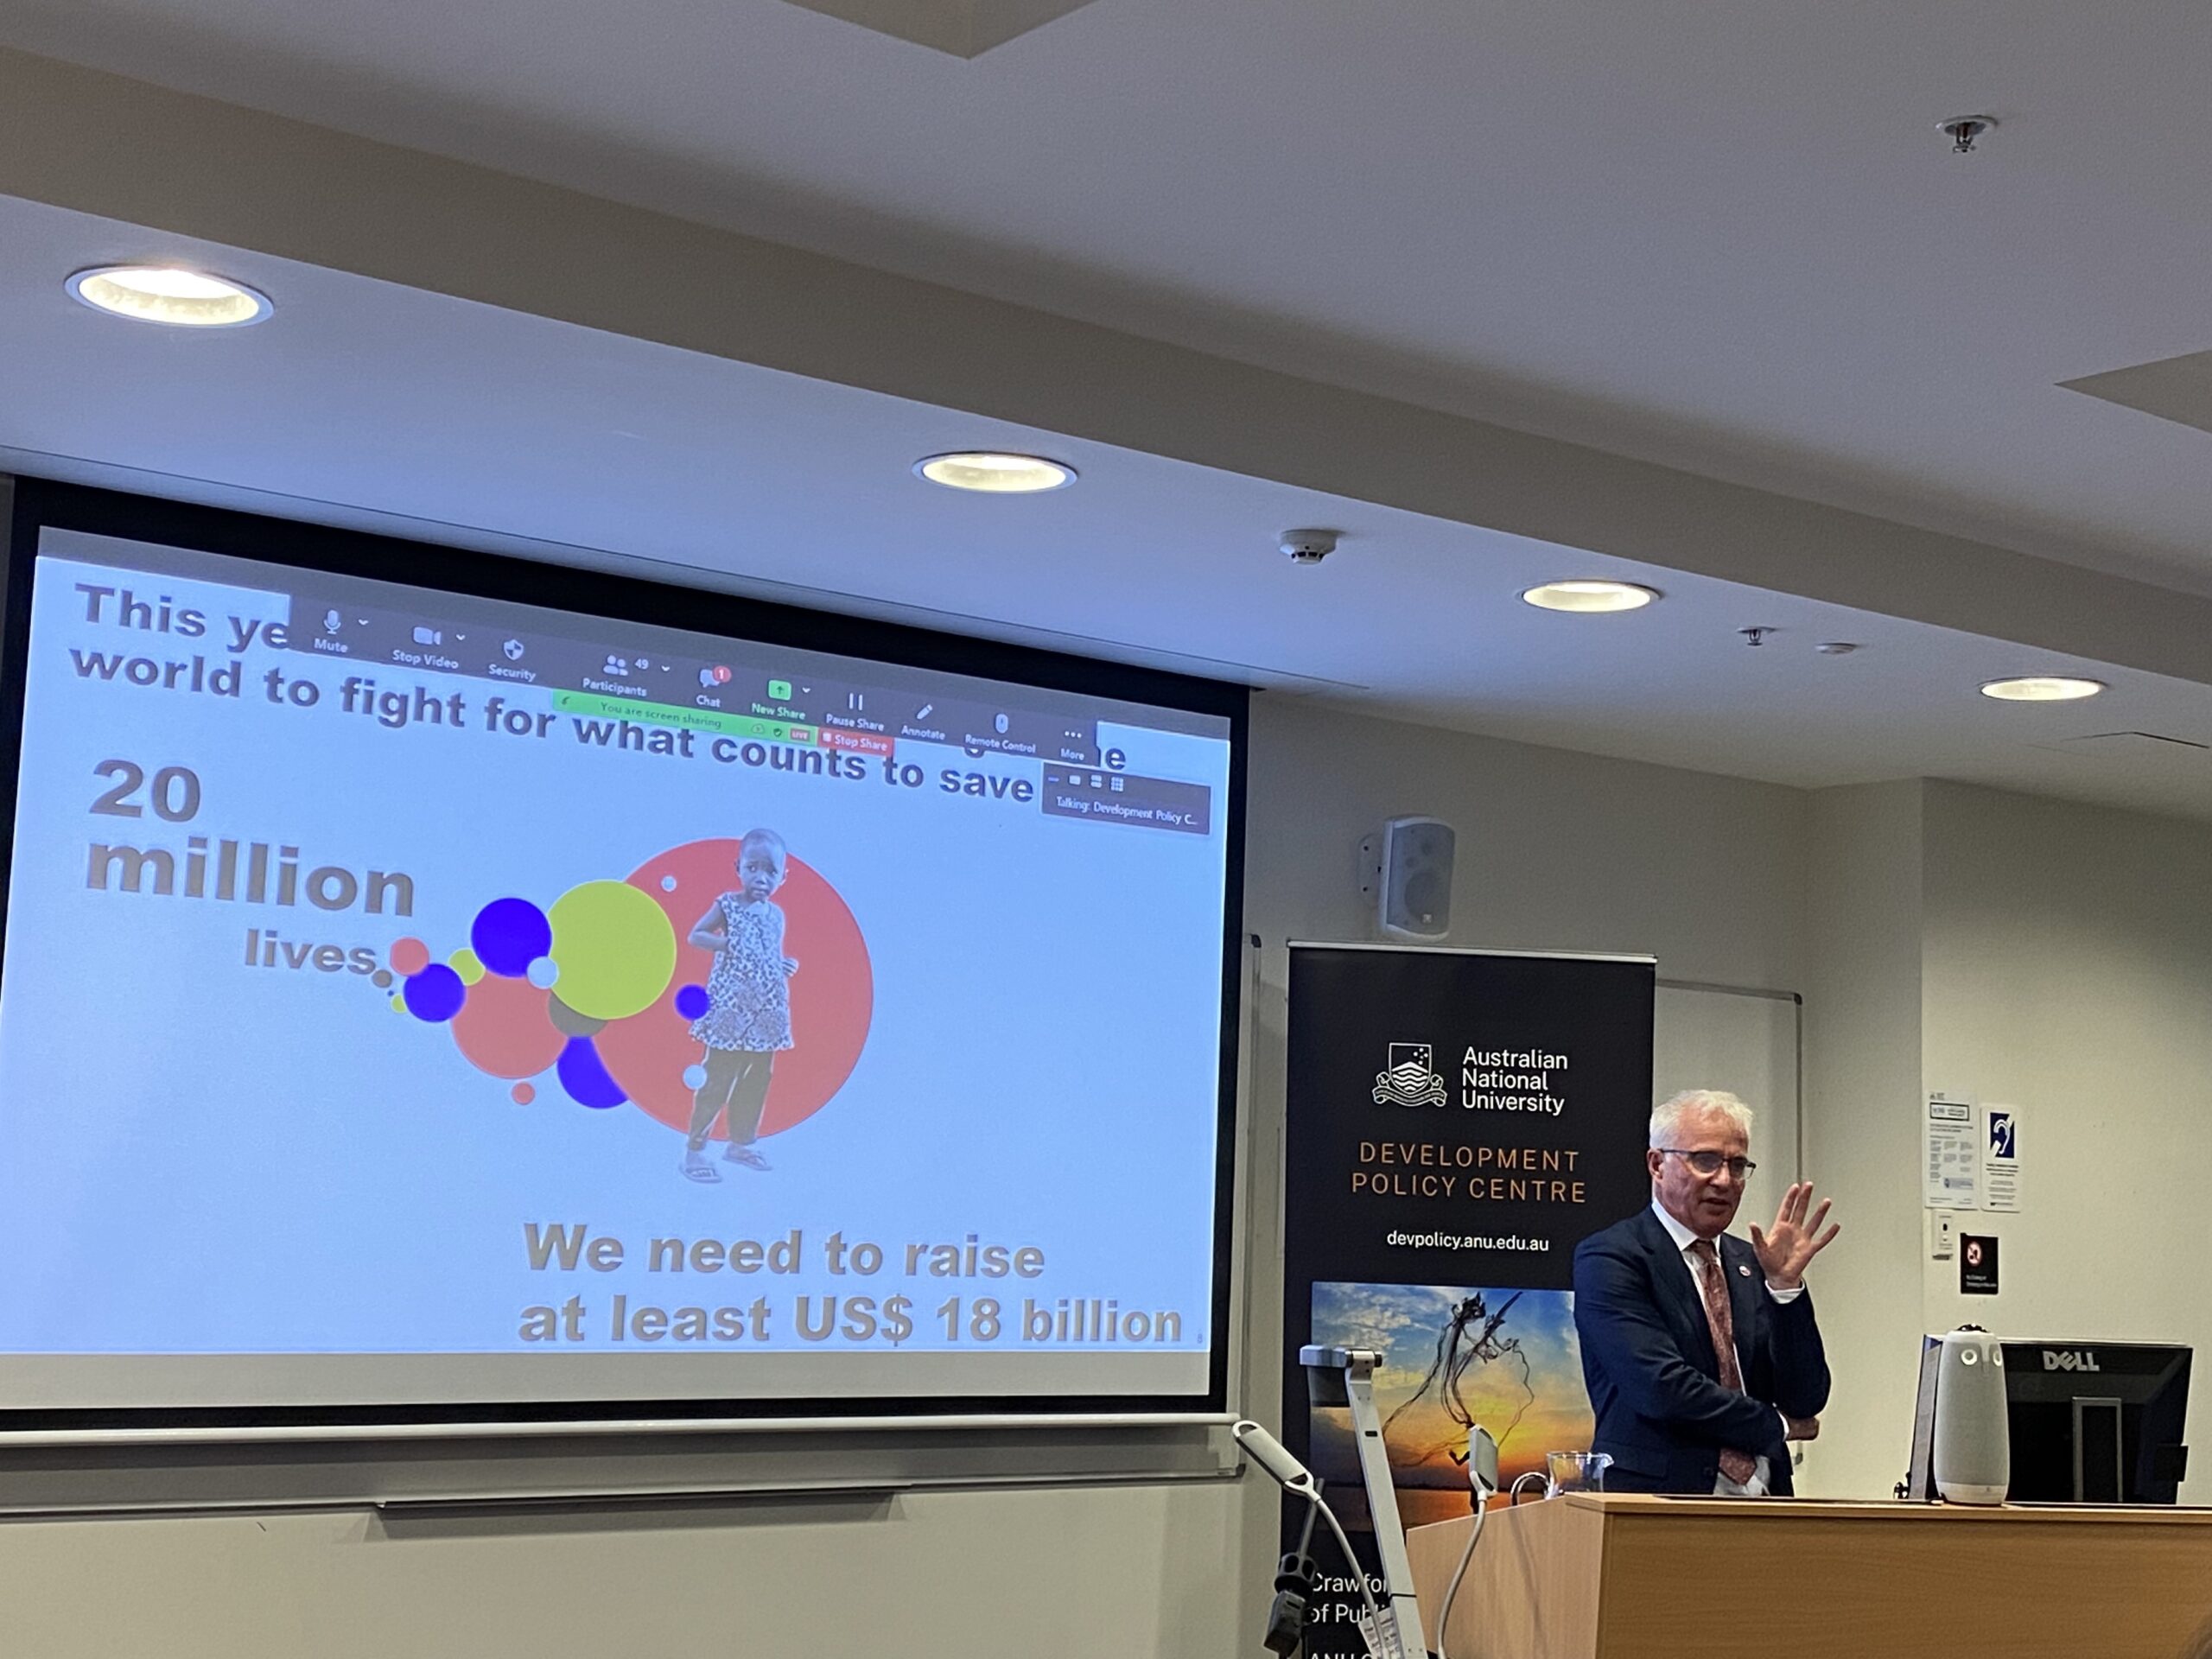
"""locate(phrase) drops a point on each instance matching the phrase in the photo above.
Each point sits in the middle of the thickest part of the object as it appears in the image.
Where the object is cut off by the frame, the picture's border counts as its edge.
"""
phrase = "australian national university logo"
(1411, 1077)
(1493, 1080)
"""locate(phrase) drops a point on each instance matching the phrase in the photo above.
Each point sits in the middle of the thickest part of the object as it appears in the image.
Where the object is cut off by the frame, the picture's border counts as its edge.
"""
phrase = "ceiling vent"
(2130, 746)
(966, 28)
(2177, 389)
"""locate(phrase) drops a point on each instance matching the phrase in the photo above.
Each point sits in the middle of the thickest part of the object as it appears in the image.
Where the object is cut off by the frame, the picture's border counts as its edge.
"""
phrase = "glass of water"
(1575, 1471)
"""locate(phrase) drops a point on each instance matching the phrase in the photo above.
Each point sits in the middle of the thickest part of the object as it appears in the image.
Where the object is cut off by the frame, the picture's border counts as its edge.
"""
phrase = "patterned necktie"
(1738, 1467)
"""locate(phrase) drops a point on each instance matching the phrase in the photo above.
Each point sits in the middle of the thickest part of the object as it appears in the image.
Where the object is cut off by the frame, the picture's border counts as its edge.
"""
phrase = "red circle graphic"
(833, 993)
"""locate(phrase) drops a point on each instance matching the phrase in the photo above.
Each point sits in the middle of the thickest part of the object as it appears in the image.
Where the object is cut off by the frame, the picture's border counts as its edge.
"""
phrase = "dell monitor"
(2096, 1422)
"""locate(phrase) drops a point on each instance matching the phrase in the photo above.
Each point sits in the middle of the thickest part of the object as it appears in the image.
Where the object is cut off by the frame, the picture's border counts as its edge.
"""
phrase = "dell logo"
(2071, 1359)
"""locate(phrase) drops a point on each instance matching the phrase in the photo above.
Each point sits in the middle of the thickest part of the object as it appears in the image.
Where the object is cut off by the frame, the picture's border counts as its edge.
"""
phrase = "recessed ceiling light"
(171, 295)
(1590, 597)
(2041, 687)
(994, 474)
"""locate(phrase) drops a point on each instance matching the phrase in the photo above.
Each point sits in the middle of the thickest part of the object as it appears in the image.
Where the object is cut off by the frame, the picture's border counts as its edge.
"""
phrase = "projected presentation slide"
(413, 997)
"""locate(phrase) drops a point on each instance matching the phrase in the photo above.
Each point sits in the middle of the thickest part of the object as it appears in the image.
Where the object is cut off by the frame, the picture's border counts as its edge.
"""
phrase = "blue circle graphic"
(692, 1001)
(584, 1074)
(509, 934)
(435, 993)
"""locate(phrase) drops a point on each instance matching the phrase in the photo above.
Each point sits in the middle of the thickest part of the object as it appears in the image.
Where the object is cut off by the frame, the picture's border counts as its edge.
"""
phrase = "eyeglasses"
(1712, 1163)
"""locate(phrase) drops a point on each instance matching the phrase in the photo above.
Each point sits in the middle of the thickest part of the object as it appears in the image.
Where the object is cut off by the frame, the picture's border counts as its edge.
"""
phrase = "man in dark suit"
(1699, 1350)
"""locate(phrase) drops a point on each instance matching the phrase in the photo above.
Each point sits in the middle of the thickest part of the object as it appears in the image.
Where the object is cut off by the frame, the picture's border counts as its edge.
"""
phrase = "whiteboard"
(1745, 1042)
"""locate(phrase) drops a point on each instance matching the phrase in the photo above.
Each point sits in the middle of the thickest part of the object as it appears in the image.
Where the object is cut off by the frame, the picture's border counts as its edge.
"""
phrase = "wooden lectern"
(1618, 1577)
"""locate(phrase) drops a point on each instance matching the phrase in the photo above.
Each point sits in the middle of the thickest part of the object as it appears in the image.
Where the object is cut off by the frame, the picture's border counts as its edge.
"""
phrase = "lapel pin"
(1741, 1268)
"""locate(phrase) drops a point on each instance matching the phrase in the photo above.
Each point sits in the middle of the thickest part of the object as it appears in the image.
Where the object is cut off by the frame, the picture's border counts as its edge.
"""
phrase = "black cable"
(1286, 1631)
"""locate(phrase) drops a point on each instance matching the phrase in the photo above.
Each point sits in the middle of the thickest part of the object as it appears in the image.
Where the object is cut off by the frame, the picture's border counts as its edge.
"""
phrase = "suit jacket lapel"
(1679, 1298)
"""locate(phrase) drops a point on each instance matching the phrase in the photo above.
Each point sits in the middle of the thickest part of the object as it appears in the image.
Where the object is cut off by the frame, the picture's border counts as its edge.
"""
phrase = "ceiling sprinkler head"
(1963, 130)
(1836, 647)
(1755, 636)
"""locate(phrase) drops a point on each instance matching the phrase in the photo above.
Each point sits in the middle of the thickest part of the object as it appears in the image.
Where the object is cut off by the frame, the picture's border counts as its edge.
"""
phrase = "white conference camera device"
(1973, 1453)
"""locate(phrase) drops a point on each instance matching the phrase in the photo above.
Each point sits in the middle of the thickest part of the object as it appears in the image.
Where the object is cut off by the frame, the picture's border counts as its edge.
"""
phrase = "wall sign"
(1977, 1265)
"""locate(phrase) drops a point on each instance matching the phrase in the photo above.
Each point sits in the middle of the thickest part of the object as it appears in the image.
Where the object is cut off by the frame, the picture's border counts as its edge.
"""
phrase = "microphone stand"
(1345, 1376)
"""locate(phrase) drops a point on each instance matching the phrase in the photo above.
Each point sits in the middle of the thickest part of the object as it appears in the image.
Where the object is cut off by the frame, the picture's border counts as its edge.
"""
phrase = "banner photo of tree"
(1456, 1356)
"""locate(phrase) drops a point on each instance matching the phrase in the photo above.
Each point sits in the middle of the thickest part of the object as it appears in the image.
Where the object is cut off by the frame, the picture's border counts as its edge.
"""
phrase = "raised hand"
(1786, 1248)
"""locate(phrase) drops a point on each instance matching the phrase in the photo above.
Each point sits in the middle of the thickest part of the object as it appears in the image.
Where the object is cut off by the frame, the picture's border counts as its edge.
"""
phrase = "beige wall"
(1862, 1083)
(2053, 957)
(1556, 850)
(2068, 973)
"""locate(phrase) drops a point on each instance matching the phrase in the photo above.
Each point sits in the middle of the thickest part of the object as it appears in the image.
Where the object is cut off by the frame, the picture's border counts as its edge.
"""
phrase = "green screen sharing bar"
(642, 713)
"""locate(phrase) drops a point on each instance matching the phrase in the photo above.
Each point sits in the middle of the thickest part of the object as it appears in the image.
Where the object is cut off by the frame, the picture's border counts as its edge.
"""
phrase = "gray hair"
(1667, 1117)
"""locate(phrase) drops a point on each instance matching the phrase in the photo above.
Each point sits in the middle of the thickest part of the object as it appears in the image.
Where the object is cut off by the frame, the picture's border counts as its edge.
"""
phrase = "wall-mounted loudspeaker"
(1406, 874)
(1973, 1444)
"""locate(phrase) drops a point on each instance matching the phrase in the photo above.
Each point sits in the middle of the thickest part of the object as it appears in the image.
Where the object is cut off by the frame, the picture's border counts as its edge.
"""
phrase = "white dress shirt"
(1684, 1238)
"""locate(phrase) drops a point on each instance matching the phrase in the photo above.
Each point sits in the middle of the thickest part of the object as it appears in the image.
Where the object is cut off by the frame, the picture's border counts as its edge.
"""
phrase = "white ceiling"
(1721, 233)
(368, 403)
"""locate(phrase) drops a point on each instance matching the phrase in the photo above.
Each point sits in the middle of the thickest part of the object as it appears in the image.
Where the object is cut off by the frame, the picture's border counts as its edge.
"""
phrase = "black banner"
(1457, 1122)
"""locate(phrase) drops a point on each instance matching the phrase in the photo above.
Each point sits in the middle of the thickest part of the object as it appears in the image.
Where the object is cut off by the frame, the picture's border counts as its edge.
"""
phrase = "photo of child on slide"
(748, 1017)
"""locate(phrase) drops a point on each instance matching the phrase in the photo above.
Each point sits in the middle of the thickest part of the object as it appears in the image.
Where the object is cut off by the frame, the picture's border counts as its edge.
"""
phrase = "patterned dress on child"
(748, 994)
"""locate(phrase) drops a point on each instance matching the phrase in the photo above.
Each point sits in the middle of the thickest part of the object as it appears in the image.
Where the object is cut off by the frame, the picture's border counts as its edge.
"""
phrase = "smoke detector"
(1307, 546)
